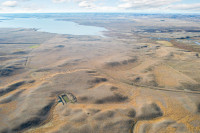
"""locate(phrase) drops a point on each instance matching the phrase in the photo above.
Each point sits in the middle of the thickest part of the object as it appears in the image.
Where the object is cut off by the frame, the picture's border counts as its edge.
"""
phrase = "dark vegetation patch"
(187, 37)
(98, 80)
(124, 62)
(59, 46)
(83, 98)
(111, 99)
(132, 60)
(131, 113)
(43, 70)
(113, 88)
(167, 30)
(113, 64)
(11, 98)
(162, 30)
(31, 81)
(30, 123)
(9, 70)
(198, 108)
(45, 110)
(91, 71)
(152, 83)
(68, 64)
(5, 58)
(11, 88)
(141, 47)
(20, 53)
(192, 30)
(186, 46)
(191, 87)
(150, 111)
(36, 121)
(137, 79)
(197, 55)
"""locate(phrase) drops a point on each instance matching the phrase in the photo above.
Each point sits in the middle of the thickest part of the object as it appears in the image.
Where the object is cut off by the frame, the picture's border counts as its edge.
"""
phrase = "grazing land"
(142, 75)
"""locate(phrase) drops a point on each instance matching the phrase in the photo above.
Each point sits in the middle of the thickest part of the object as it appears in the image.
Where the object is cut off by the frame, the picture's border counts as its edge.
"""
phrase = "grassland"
(139, 78)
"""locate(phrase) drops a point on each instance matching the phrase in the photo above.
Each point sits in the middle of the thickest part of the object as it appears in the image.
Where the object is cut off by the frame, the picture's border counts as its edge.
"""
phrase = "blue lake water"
(169, 39)
(51, 25)
(197, 43)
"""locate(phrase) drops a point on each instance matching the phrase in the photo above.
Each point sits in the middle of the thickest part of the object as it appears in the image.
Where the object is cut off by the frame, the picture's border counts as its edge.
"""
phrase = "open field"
(143, 76)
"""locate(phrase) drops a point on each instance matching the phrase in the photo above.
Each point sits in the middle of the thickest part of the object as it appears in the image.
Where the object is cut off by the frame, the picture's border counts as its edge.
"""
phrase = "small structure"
(67, 98)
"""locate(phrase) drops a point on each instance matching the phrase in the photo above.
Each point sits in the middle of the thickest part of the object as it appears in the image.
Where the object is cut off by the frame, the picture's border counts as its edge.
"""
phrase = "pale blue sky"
(137, 6)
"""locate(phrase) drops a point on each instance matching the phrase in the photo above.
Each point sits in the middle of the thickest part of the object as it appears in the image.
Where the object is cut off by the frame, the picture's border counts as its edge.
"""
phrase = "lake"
(197, 43)
(51, 25)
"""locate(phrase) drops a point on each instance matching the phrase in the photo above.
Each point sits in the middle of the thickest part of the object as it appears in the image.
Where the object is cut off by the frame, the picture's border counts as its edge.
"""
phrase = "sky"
(133, 6)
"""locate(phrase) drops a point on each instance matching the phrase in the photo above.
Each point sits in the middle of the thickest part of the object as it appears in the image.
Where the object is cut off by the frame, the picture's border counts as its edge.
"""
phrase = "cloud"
(90, 4)
(191, 7)
(145, 4)
(9, 3)
(59, 1)
(99, 6)
(86, 4)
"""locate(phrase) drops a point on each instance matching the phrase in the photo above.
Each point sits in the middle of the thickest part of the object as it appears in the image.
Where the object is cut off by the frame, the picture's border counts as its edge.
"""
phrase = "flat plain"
(142, 76)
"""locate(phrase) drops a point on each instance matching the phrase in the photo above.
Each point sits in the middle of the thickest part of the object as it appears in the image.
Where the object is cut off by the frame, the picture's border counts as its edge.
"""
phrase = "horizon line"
(96, 12)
